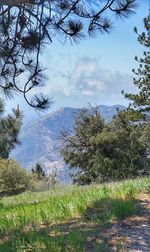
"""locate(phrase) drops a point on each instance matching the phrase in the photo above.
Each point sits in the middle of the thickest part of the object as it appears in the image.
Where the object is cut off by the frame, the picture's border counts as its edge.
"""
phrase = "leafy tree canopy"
(26, 26)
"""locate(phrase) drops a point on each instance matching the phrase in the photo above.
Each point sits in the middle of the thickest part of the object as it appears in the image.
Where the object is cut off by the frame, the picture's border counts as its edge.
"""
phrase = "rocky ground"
(133, 233)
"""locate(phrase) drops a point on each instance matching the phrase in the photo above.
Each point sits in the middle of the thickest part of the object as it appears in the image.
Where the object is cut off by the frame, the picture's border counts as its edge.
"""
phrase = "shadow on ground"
(106, 225)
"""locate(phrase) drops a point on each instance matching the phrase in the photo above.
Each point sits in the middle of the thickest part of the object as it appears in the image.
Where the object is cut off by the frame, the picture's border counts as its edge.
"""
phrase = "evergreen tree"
(39, 171)
(141, 101)
(27, 25)
(103, 152)
(79, 148)
(9, 129)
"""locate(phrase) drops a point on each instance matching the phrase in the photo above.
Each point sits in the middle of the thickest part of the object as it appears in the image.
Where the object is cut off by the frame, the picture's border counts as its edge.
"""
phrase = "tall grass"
(27, 221)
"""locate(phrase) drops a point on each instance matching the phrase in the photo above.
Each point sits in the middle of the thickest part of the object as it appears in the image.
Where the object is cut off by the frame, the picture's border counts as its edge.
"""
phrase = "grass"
(69, 218)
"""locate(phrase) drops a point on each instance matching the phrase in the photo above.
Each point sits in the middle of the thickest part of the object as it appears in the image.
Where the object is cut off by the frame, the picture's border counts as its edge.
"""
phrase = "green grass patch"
(31, 221)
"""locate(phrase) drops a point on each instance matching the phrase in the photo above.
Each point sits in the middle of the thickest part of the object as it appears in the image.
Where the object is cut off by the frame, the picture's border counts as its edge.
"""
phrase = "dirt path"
(129, 235)
(133, 234)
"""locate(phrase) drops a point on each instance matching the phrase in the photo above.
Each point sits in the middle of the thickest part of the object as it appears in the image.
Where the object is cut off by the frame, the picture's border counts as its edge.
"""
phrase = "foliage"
(39, 171)
(133, 145)
(145, 138)
(39, 221)
(101, 152)
(42, 185)
(26, 26)
(79, 148)
(9, 130)
(40, 181)
(13, 178)
(141, 101)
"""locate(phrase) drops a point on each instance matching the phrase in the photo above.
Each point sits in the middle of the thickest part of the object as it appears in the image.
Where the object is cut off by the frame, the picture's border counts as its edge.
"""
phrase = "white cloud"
(84, 81)
(88, 78)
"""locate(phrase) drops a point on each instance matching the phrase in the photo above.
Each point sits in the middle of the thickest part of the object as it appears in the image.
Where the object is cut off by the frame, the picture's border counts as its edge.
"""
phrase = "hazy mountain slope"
(41, 140)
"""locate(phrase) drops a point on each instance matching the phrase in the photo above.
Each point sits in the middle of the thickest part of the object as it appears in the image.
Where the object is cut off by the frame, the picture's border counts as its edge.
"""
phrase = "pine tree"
(26, 26)
(9, 129)
(141, 101)
(39, 171)
(103, 152)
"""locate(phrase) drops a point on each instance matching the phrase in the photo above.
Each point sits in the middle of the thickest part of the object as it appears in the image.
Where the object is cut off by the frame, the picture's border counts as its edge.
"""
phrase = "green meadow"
(67, 218)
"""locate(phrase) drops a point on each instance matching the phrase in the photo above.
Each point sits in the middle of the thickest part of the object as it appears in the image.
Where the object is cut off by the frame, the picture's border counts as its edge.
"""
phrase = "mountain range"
(41, 142)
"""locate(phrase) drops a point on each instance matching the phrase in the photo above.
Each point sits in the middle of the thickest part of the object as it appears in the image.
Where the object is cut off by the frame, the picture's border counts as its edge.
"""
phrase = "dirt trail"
(129, 235)
(133, 234)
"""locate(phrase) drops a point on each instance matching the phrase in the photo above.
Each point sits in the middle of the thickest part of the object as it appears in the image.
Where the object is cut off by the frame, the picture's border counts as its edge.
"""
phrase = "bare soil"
(133, 233)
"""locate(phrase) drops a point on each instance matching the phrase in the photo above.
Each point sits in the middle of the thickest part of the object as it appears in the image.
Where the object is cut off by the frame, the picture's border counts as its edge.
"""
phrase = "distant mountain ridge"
(40, 141)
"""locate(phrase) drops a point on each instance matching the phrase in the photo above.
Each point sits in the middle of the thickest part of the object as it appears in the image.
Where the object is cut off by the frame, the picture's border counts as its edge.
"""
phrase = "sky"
(93, 71)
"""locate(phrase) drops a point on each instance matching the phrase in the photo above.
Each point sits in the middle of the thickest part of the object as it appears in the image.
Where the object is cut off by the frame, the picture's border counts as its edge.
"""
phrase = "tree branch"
(15, 2)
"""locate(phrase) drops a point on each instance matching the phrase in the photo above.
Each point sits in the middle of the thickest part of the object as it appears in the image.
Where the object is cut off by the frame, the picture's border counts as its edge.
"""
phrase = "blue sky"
(95, 70)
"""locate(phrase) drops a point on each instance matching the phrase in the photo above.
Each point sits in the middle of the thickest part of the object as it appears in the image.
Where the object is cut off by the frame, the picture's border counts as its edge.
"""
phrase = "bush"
(43, 184)
(13, 178)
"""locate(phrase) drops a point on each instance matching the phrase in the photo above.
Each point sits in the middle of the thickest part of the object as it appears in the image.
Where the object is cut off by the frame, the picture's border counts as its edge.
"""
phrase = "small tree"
(39, 171)
(13, 178)
(141, 101)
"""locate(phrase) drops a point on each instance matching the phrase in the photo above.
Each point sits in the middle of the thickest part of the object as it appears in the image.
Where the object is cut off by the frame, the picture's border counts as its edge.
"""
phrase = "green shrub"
(13, 178)
(43, 184)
